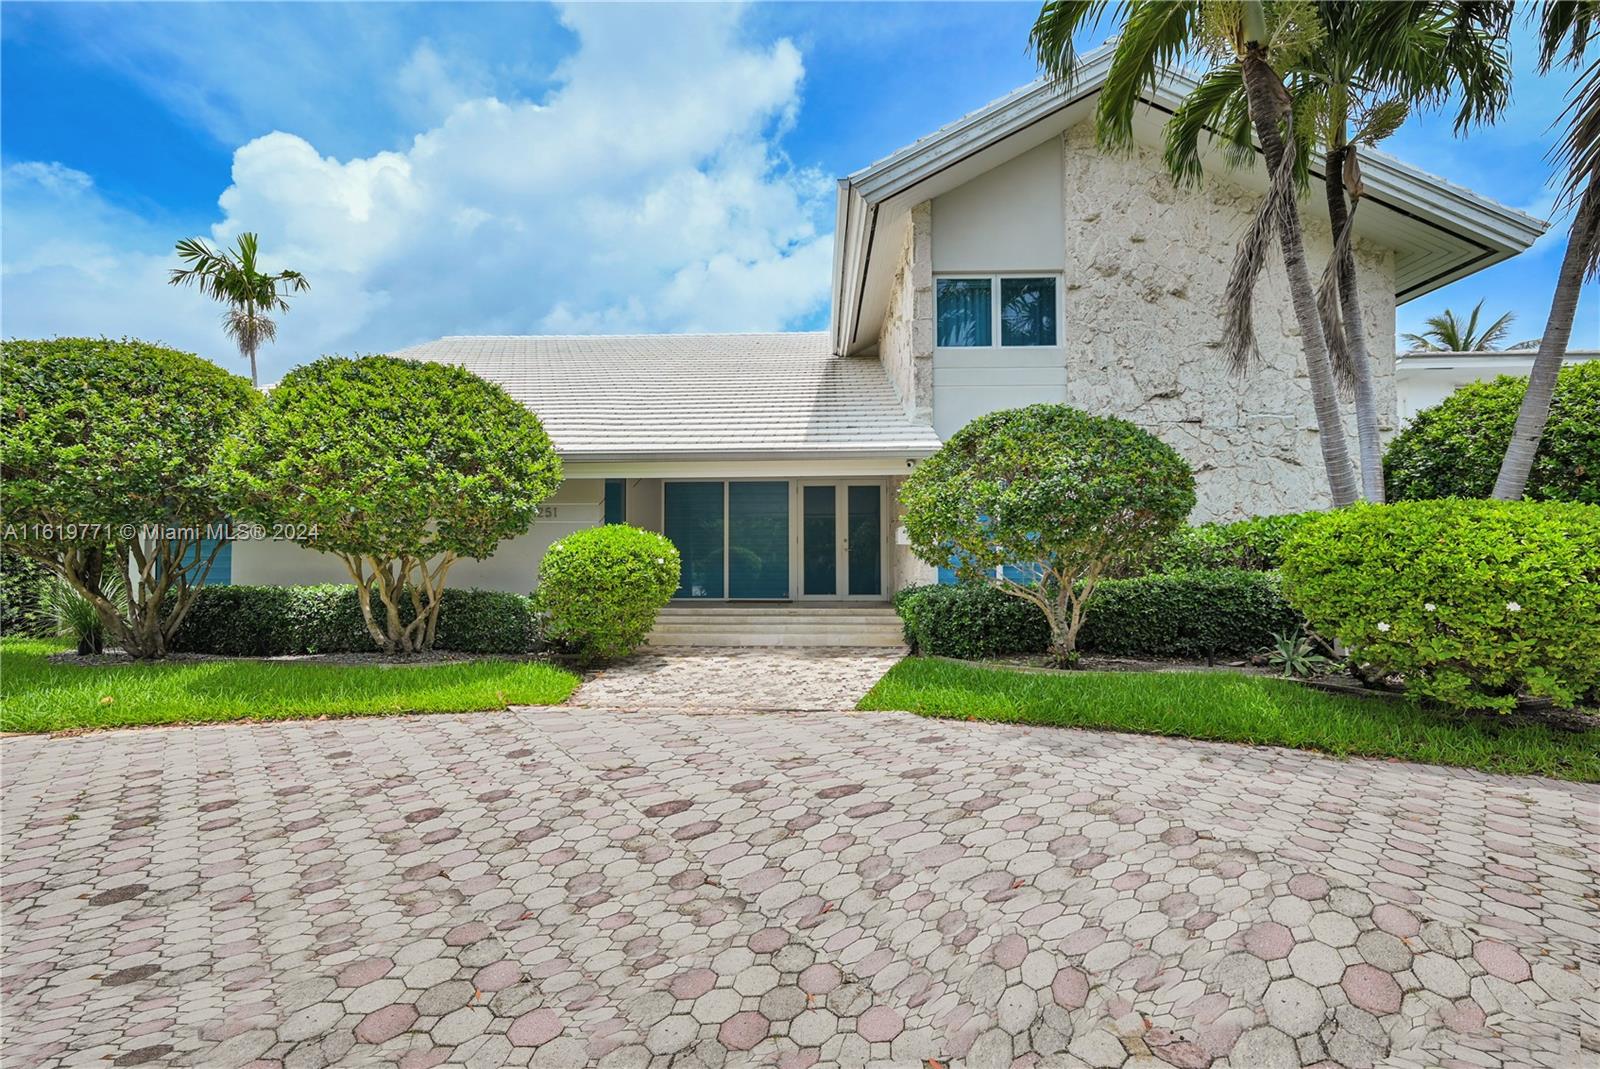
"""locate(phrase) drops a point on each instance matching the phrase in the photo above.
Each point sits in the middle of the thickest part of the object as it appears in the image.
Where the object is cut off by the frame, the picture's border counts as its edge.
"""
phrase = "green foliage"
(1470, 602)
(37, 695)
(1454, 449)
(1295, 655)
(1255, 544)
(971, 621)
(600, 589)
(106, 452)
(275, 621)
(1233, 707)
(1060, 493)
(1200, 614)
(76, 617)
(22, 590)
(94, 431)
(1189, 615)
(397, 466)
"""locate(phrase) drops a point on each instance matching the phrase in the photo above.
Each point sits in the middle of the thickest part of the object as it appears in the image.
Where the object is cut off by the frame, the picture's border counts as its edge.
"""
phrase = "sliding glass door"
(733, 538)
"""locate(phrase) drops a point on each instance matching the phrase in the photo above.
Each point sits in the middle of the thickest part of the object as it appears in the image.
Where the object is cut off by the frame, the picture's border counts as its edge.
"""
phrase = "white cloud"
(645, 192)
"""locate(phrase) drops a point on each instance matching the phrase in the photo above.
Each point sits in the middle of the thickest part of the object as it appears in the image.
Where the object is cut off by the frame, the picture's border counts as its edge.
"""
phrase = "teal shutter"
(758, 540)
(693, 521)
(616, 501)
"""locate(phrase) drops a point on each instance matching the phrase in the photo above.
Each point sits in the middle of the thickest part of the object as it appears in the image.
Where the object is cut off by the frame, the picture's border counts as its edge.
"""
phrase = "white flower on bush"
(1512, 606)
(1383, 625)
(661, 560)
(1429, 606)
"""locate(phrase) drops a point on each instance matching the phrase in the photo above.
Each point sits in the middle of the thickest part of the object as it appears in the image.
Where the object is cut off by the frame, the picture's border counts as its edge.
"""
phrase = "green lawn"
(1230, 707)
(36, 695)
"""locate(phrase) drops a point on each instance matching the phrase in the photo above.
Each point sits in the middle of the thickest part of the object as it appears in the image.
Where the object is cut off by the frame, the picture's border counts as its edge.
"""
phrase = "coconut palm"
(1449, 333)
(1155, 34)
(1369, 66)
(232, 277)
(1565, 29)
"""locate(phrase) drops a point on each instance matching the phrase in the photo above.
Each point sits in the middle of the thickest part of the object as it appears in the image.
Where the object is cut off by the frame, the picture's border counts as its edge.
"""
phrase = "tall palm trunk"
(1358, 359)
(250, 346)
(1267, 99)
(1518, 463)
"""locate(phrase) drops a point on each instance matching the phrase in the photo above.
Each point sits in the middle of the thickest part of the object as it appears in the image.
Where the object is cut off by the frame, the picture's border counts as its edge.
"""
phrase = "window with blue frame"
(616, 501)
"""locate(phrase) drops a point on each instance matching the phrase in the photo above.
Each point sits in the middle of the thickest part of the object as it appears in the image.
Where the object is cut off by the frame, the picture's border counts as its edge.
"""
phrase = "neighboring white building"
(1423, 379)
(1000, 261)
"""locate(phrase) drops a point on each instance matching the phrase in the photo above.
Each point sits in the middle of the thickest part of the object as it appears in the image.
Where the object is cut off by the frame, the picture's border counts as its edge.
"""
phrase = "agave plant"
(1295, 655)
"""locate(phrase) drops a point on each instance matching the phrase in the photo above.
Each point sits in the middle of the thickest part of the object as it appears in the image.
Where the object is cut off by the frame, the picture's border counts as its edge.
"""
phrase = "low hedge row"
(275, 621)
(1202, 613)
(1255, 544)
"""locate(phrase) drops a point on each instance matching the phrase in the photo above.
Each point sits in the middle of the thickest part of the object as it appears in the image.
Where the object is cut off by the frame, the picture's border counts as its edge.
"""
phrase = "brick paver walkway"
(578, 886)
(773, 678)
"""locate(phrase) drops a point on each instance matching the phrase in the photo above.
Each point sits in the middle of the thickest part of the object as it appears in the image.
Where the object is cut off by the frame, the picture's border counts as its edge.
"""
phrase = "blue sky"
(508, 168)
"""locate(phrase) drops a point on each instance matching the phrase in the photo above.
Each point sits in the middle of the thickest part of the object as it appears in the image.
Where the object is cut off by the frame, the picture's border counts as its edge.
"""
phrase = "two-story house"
(1000, 261)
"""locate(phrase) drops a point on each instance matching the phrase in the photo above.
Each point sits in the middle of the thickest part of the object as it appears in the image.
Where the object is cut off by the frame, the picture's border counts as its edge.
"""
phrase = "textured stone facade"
(1145, 271)
(905, 344)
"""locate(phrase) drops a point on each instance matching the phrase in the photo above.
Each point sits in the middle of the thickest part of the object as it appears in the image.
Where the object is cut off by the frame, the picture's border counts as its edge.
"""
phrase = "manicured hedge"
(269, 621)
(1200, 614)
(1255, 544)
(22, 603)
(1469, 602)
(1454, 448)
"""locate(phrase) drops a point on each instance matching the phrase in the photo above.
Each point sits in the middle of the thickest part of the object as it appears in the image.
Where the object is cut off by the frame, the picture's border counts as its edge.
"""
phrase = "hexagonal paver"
(586, 885)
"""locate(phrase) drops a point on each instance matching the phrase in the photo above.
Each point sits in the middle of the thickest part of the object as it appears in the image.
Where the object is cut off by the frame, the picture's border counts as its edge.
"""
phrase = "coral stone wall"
(905, 341)
(1146, 264)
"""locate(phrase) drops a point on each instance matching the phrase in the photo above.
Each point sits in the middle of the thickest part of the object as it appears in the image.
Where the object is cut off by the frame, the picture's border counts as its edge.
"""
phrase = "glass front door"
(841, 540)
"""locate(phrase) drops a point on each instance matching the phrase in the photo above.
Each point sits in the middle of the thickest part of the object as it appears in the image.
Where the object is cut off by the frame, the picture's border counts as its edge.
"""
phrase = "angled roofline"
(1496, 230)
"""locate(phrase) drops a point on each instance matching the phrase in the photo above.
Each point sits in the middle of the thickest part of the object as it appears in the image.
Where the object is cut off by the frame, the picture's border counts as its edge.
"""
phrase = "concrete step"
(777, 625)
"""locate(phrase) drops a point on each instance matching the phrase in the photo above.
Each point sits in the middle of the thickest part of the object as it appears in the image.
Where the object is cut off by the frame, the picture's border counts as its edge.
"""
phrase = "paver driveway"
(572, 886)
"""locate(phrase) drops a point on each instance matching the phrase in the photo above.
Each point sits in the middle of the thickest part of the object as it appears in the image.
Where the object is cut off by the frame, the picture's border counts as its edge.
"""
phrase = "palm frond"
(1154, 36)
(1238, 298)
(1059, 21)
(1214, 108)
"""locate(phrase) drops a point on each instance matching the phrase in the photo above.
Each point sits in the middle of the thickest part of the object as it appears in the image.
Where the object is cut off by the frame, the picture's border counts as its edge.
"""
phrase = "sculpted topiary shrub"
(1454, 449)
(107, 477)
(1040, 502)
(600, 589)
(397, 467)
(1470, 602)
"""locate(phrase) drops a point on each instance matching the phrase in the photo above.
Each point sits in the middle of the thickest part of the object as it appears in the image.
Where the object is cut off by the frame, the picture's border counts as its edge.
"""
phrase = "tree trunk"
(1518, 463)
(1268, 102)
(1355, 333)
(93, 576)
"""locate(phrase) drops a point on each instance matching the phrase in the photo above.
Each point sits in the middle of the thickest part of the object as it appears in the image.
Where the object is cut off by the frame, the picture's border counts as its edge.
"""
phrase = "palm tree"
(1353, 82)
(1154, 36)
(231, 277)
(1448, 333)
(1564, 26)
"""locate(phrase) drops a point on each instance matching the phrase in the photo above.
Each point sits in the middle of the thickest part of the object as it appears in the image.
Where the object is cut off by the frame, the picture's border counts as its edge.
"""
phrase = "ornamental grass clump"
(1043, 502)
(1470, 603)
(600, 590)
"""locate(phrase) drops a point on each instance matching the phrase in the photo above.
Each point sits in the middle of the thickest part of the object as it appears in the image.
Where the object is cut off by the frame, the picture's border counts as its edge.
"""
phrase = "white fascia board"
(793, 468)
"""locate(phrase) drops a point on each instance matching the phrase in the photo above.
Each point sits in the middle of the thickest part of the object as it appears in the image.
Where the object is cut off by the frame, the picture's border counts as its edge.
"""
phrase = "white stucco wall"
(1008, 220)
(514, 566)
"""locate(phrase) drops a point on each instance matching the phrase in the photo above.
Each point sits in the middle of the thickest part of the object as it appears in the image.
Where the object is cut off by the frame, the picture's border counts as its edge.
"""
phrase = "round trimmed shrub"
(1470, 602)
(1454, 449)
(1254, 544)
(600, 589)
(1053, 493)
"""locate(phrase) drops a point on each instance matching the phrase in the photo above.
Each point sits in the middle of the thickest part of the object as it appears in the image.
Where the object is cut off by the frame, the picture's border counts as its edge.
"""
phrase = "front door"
(841, 540)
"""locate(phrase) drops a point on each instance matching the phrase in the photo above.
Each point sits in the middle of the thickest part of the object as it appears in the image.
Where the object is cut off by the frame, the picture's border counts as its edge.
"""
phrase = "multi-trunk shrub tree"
(107, 474)
(397, 467)
(1042, 503)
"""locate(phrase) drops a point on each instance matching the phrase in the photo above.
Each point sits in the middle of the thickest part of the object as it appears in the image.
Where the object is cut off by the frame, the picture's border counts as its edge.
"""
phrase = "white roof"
(1440, 231)
(743, 396)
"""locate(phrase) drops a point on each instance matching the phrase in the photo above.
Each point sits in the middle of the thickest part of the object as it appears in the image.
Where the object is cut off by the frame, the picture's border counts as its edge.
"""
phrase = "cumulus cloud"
(646, 192)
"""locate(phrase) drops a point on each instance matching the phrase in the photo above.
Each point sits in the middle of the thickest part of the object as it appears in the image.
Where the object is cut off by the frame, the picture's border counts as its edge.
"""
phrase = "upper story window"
(968, 308)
